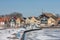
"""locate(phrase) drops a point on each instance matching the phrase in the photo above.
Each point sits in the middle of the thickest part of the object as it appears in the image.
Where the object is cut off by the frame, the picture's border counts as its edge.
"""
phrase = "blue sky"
(29, 7)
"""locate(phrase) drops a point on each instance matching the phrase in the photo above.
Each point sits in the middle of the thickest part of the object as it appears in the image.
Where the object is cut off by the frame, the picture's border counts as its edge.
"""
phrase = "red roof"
(58, 18)
(3, 19)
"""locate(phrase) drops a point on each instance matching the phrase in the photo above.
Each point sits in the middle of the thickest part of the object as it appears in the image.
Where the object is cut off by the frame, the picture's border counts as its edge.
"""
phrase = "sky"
(29, 7)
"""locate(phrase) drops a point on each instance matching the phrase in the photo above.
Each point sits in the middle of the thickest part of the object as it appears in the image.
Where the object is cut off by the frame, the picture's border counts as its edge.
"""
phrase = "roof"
(58, 18)
(43, 15)
(34, 17)
(49, 15)
(29, 17)
(24, 18)
(3, 19)
(37, 18)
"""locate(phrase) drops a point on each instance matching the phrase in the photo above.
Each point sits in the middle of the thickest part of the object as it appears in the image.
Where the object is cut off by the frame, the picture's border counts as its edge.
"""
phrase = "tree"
(15, 14)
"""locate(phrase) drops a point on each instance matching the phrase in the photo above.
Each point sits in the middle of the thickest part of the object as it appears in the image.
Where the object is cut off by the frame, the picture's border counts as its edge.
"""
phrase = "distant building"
(18, 22)
(4, 21)
(12, 22)
(23, 20)
(52, 21)
(43, 20)
(27, 21)
(48, 19)
(34, 20)
(58, 21)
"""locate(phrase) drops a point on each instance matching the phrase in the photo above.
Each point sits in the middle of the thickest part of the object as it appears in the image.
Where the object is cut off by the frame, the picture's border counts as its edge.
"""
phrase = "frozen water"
(45, 34)
(7, 33)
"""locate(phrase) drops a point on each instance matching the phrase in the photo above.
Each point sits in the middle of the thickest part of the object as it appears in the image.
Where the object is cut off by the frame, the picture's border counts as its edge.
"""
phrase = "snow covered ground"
(7, 33)
(44, 34)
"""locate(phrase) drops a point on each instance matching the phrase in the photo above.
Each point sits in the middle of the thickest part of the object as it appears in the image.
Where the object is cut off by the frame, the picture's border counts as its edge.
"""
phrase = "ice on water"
(44, 34)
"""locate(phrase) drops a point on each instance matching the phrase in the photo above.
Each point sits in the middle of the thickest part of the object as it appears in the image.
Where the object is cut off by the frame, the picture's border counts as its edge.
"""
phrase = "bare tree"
(16, 14)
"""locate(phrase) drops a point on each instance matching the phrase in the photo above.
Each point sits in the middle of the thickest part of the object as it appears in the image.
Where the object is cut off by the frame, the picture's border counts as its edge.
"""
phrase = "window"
(44, 20)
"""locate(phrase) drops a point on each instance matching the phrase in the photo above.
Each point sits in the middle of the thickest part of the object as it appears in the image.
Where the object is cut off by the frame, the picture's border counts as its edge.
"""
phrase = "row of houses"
(44, 20)
(10, 21)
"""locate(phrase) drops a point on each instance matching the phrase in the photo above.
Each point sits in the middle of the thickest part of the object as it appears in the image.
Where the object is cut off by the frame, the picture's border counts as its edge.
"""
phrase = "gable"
(43, 15)
(33, 19)
(51, 19)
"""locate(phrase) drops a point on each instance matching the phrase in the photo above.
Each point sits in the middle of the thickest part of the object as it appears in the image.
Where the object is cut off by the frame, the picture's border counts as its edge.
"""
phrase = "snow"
(7, 33)
(44, 34)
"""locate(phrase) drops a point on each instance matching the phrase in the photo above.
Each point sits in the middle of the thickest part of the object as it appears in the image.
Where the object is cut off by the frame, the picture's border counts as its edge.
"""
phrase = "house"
(23, 20)
(34, 20)
(43, 20)
(58, 21)
(27, 21)
(18, 22)
(31, 21)
(52, 21)
(12, 22)
(48, 19)
(4, 21)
